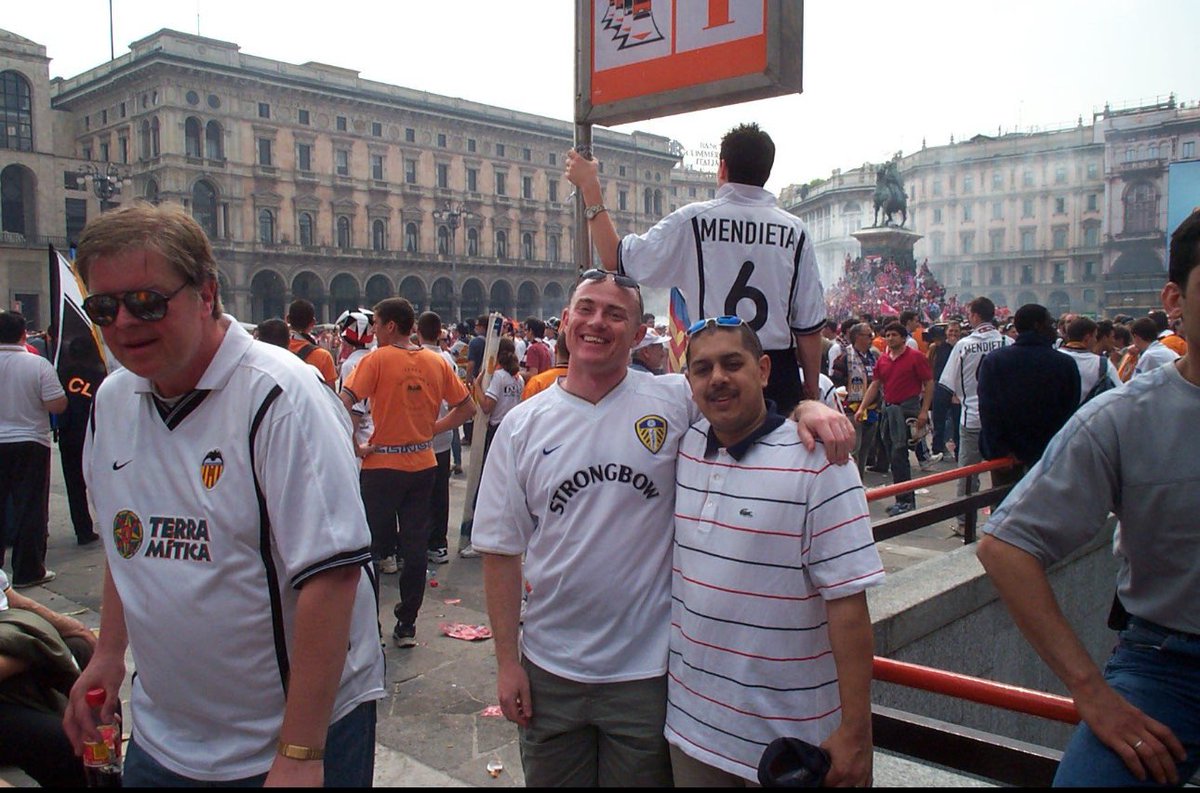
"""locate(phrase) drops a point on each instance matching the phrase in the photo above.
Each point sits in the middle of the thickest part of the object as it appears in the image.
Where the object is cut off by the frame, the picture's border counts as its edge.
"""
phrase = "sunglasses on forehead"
(148, 305)
(599, 275)
(714, 322)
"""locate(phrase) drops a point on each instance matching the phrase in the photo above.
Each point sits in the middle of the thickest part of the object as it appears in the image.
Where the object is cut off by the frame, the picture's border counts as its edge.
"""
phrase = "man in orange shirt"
(543, 380)
(301, 317)
(406, 385)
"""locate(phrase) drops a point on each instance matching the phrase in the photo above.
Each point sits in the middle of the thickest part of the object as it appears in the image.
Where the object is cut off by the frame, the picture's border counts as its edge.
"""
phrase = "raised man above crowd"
(738, 254)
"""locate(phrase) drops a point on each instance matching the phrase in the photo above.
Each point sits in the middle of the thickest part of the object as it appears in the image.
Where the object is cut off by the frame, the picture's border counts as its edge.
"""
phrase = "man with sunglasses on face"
(241, 589)
(737, 254)
(580, 482)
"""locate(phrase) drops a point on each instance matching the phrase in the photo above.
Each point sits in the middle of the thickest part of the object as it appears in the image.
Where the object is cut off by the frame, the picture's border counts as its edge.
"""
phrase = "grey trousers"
(595, 734)
(968, 454)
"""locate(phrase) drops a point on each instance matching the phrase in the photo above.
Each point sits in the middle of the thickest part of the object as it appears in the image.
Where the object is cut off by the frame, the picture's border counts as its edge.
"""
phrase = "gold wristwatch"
(595, 209)
(296, 752)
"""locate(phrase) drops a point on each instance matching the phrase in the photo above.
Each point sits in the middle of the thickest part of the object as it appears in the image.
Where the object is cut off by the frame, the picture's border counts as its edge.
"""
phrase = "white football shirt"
(736, 254)
(587, 493)
(961, 374)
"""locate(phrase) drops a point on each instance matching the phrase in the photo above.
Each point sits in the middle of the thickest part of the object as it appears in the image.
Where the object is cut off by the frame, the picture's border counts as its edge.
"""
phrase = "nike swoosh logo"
(550, 451)
(122, 465)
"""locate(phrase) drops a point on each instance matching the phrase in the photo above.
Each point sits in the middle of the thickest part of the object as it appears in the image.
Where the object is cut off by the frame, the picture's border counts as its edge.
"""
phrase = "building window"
(154, 137)
(264, 110)
(552, 186)
(1027, 273)
(204, 207)
(266, 227)
(996, 241)
(997, 210)
(937, 244)
(471, 145)
(1026, 207)
(472, 241)
(501, 245)
(191, 137)
(968, 212)
(1060, 273)
(410, 237)
(526, 187)
(376, 129)
(104, 151)
(1189, 149)
(264, 151)
(341, 123)
(1027, 178)
(937, 216)
(304, 156)
(472, 180)
(1091, 236)
(527, 246)
(499, 149)
(378, 235)
(213, 141)
(302, 117)
(501, 185)
(967, 238)
(1092, 170)
(620, 170)
(648, 201)
(937, 187)
(1129, 154)
(443, 175)
(103, 118)
(76, 212)
(343, 232)
(144, 141)
(1060, 174)
(527, 155)
(410, 135)
(997, 278)
(306, 229)
(1028, 238)
(997, 180)
(123, 149)
(1060, 206)
(443, 240)
(1089, 271)
(441, 140)
(209, 102)
(968, 183)
(1060, 238)
(377, 167)
(410, 171)
(1092, 203)
(1141, 208)
(341, 159)
(553, 158)
(552, 247)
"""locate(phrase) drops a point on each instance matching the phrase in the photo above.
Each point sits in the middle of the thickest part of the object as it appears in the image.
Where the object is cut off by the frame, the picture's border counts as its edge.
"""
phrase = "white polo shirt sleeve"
(840, 554)
(504, 523)
(951, 375)
(660, 257)
(318, 527)
(50, 385)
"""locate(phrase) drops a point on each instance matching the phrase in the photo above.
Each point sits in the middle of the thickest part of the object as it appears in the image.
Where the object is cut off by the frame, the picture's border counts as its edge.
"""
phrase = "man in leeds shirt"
(770, 632)
(906, 378)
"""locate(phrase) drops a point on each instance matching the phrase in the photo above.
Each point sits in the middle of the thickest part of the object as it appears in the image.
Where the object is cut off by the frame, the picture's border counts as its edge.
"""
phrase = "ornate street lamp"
(104, 183)
(452, 214)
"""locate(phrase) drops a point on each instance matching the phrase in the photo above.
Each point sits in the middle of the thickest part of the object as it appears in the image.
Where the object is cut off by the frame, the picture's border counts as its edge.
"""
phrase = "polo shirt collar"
(738, 450)
(13, 348)
(746, 194)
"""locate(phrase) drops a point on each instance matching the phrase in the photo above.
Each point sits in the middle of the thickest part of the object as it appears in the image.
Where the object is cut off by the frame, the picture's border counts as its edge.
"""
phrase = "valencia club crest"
(652, 432)
(211, 468)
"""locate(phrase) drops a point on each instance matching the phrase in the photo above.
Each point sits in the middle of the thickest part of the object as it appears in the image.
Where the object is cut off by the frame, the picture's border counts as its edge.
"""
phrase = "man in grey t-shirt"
(1128, 451)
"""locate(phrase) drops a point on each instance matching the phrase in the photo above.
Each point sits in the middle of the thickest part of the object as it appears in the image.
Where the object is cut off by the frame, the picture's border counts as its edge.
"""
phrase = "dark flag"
(75, 348)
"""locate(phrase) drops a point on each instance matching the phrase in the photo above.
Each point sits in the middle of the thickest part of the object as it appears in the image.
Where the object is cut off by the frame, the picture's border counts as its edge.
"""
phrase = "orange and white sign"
(682, 51)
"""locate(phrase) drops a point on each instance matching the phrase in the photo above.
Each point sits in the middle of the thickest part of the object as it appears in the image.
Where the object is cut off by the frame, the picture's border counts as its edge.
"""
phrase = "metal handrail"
(887, 491)
(977, 689)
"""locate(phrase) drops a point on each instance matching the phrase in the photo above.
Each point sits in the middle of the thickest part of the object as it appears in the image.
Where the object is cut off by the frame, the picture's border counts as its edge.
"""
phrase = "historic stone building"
(312, 181)
(1074, 219)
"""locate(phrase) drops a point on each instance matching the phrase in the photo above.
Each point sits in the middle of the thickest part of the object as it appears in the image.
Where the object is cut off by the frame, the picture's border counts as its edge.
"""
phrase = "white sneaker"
(440, 556)
(468, 552)
(929, 461)
(387, 565)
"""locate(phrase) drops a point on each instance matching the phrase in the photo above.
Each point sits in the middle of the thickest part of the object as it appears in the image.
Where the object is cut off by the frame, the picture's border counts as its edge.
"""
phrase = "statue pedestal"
(889, 242)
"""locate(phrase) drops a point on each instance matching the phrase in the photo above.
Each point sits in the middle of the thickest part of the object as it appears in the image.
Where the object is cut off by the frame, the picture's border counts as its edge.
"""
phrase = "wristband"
(296, 752)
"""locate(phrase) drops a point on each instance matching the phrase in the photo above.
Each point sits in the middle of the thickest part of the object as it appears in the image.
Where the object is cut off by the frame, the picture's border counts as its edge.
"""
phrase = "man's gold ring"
(1139, 743)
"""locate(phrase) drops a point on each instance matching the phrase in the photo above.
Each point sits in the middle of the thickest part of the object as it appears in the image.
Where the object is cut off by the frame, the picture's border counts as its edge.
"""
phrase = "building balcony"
(306, 177)
(266, 171)
(1148, 164)
(379, 185)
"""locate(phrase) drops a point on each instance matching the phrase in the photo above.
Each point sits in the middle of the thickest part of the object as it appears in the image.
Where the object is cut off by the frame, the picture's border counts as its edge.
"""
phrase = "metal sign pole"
(583, 128)
(583, 242)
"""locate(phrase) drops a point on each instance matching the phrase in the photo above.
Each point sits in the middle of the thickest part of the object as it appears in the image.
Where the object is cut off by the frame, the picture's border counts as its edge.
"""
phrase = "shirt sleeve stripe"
(834, 497)
(356, 557)
(836, 526)
(845, 553)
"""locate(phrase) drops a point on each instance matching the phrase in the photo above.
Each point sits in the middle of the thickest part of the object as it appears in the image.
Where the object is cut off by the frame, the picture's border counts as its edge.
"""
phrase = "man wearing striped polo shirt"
(770, 633)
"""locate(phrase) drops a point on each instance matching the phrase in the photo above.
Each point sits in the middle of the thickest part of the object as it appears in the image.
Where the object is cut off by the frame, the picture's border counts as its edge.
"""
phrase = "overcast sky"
(878, 77)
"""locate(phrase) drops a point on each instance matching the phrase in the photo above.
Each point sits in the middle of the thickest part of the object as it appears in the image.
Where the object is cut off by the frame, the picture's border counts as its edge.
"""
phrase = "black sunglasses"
(147, 305)
(596, 274)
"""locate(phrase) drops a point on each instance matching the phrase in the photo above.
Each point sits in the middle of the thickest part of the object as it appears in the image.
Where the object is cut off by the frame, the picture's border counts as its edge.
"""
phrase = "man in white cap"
(650, 354)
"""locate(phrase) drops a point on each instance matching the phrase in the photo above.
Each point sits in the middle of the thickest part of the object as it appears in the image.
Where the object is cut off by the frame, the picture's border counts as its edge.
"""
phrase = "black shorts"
(783, 386)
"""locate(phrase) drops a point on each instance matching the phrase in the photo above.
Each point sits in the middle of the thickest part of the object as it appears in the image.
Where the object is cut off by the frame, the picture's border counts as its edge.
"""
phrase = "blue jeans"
(1159, 673)
(349, 758)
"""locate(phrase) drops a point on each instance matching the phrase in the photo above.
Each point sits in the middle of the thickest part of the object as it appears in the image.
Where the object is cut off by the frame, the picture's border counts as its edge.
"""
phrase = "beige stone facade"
(313, 182)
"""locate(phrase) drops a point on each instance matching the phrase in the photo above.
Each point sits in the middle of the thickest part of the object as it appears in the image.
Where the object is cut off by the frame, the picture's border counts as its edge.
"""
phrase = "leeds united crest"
(652, 432)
